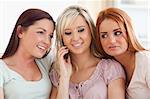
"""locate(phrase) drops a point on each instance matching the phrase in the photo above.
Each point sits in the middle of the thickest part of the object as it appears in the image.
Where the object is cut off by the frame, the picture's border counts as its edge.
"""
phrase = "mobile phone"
(67, 54)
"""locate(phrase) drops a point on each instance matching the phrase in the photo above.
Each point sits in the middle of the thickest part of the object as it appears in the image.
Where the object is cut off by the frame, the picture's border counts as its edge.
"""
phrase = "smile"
(41, 47)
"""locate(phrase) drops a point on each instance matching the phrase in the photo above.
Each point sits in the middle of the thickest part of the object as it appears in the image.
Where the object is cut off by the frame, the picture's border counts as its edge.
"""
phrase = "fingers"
(65, 64)
(62, 51)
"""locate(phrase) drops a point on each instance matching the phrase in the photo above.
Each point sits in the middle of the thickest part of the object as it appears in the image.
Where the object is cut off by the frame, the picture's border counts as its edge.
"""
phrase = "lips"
(42, 47)
(113, 47)
(77, 45)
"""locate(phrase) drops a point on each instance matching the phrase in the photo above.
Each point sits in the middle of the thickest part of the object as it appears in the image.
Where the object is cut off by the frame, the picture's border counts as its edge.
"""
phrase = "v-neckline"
(19, 75)
(134, 71)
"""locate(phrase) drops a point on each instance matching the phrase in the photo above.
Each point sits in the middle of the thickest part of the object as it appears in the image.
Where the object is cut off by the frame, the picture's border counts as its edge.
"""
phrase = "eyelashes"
(68, 33)
(43, 33)
(116, 33)
(40, 32)
(79, 31)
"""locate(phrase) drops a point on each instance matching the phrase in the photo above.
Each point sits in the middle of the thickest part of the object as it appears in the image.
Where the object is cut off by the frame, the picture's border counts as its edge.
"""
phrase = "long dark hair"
(27, 18)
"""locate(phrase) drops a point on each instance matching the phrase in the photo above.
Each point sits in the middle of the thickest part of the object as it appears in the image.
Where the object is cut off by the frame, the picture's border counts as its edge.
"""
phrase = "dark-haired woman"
(23, 74)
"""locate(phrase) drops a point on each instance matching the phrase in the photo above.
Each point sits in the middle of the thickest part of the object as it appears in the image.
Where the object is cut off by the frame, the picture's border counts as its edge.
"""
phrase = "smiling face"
(113, 38)
(77, 36)
(36, 39)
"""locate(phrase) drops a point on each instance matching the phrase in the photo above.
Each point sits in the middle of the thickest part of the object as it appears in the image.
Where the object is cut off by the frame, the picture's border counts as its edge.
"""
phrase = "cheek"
(125, 44)
(103, 43)
(123, 41)
(87, 37)
(66, 40)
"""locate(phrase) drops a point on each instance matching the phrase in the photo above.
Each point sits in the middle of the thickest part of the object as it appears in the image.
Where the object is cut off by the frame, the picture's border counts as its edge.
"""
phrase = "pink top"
(96, 86)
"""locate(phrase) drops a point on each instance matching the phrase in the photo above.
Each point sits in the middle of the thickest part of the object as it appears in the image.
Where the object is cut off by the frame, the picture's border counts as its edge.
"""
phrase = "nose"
(47, 40)
(75, 36)
(112, 39)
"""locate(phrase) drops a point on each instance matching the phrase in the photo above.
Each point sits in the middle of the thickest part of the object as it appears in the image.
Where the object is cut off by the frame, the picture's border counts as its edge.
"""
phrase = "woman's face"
(36, 40)
(113, 39)
(77, 36)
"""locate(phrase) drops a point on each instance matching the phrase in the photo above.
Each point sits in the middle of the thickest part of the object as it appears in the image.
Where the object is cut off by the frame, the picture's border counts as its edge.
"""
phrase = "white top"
(16, 87)
(139, 87)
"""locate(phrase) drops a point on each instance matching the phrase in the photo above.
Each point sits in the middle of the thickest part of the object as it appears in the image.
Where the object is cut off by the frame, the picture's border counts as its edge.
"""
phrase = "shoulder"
(143, 54)
(1, 62)
(143, 57)
(142, 60)
(112, 70)
(110, 63)
(1, 65)
(2, 71)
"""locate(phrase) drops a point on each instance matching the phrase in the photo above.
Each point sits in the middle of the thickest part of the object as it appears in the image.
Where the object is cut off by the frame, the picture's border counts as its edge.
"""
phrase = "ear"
(19, 31)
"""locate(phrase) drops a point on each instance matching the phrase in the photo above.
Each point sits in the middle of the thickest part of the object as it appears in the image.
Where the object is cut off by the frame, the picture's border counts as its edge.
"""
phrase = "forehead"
(78, 21)
(44, 23)
(109, 23)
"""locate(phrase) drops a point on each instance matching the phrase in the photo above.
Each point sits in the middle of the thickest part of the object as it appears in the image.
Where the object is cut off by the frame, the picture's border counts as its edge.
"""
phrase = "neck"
(20, 57)
(82, 61)
(126, 59)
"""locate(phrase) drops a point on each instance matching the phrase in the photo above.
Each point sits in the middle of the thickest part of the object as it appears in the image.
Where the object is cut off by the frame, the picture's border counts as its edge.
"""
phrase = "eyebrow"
(67, 29)
(42, 29)
(117, 29)
(103, 32)
(113, 30)
(76, 27)
(80, 26)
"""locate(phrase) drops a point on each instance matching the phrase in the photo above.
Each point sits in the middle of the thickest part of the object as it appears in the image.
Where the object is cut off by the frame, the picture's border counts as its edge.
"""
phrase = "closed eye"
(40, 32)
(67, 33)
(81, 30)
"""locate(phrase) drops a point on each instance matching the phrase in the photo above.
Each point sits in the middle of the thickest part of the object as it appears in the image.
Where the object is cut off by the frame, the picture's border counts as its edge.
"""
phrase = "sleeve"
(1, 79)
(113, 70)
(54, 77)
(49, 59)
(147, 63)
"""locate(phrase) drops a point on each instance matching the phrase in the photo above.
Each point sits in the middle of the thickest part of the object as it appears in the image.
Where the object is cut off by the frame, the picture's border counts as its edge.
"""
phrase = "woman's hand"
(65, 72)
(65, 64)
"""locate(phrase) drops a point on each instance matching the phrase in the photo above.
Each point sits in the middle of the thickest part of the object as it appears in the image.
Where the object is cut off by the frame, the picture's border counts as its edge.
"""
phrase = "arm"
(62, 91)
(53, 93)
(114, 75)
(116, 89)
(1, 93)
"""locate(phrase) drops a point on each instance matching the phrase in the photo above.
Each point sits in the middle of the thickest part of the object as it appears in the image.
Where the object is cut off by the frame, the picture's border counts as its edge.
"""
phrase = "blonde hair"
(67, 18)
(124, 21)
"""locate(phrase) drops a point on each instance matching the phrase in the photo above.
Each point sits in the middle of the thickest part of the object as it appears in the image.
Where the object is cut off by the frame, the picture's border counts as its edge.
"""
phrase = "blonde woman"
(81, 72)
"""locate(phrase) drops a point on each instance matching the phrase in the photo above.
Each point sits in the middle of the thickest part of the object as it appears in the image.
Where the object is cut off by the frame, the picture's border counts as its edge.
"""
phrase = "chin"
(114, 53)
(40, 56)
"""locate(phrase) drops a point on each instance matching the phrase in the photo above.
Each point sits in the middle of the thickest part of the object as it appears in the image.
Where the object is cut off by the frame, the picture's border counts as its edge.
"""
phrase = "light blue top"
(16, 87)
